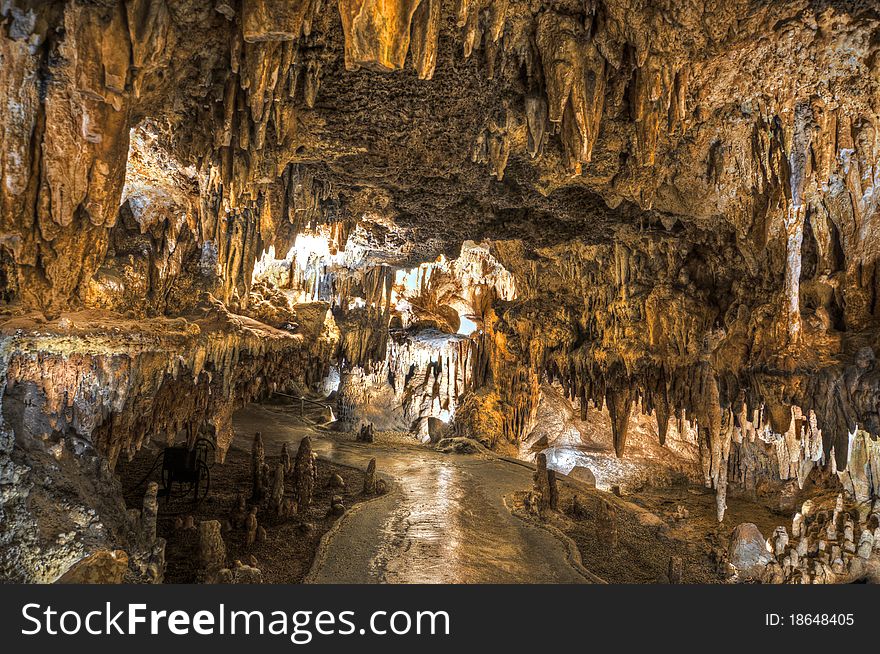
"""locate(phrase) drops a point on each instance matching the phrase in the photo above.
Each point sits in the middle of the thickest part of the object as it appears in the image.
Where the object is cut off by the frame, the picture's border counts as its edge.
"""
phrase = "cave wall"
(82, 391)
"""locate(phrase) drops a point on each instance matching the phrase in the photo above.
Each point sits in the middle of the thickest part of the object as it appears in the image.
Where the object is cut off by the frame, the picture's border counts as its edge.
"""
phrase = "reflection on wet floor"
(420, 537)
(445, 523)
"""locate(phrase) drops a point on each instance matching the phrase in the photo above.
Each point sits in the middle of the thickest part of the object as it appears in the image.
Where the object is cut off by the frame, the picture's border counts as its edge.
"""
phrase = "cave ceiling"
(684, 191)
(540, 121)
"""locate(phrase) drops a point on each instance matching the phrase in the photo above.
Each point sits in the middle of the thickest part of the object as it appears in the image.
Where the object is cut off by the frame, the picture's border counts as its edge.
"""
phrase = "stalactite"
(425, 33)
(794, 219)
(574, 73)
(377, 35)
(619, 402)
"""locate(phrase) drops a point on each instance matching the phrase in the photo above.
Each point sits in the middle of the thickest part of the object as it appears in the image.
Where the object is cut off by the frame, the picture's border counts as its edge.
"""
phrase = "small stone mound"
(747, 551)
(102, 567)
(335, 481)
(583, 475)
(458, 445)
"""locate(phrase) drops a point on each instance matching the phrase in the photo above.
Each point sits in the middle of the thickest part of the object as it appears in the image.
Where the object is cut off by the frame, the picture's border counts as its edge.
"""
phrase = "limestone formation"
(258, 462)
(337, 507)
(583, 475)
(370, 480)
(251, 527)
(240, 513)
(606, 525)
(747, 552)
(780, 540)
(866, 544)
(365, 434)
(797, 524)
(304, 475)
(212, 549)
(545, 485)
(276, 499)
(676, 570)
(246, 574)
(285, 459)
(150, 513)
(102, 567)
(336, 481)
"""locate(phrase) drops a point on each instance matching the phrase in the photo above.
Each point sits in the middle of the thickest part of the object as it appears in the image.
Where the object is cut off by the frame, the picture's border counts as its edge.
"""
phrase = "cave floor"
(444, 520)
(285, 555)
(446, 517)
(653, 526)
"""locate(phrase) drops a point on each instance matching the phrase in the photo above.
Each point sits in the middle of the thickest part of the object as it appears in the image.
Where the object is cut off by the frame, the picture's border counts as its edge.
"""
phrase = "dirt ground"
(287, 553)
(650, 531)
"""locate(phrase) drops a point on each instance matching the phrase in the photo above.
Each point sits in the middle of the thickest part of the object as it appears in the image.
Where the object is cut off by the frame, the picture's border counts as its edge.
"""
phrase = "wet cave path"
(443, 522)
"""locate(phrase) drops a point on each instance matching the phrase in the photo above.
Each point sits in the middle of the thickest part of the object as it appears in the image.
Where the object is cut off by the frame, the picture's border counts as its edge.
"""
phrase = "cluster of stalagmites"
(164, 375)
(268, 483)
(640, 326)
(279, 493)
(645, 339)
(403, 363)
(825, 546)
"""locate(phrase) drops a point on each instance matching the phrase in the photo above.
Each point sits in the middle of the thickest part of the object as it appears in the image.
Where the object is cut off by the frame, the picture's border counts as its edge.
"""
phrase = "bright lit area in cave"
(406, 292)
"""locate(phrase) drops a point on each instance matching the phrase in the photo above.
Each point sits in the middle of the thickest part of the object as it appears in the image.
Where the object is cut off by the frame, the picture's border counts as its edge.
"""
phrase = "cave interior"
(603, 269)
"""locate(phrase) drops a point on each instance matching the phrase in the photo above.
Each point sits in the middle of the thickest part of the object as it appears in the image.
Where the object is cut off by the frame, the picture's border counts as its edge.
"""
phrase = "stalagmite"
(675, 571)
(607, 525)
(797, 525)
(866, 544)
(304, 474)
(545, 485)
(780, 540)
(365, 433)
(285, 459)
(277, 496)
(258, 458)
(370, 478)
(336, 481)
(747, 551)
(150, 513)
(251, 526)
(212, 550)
(240, 513)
